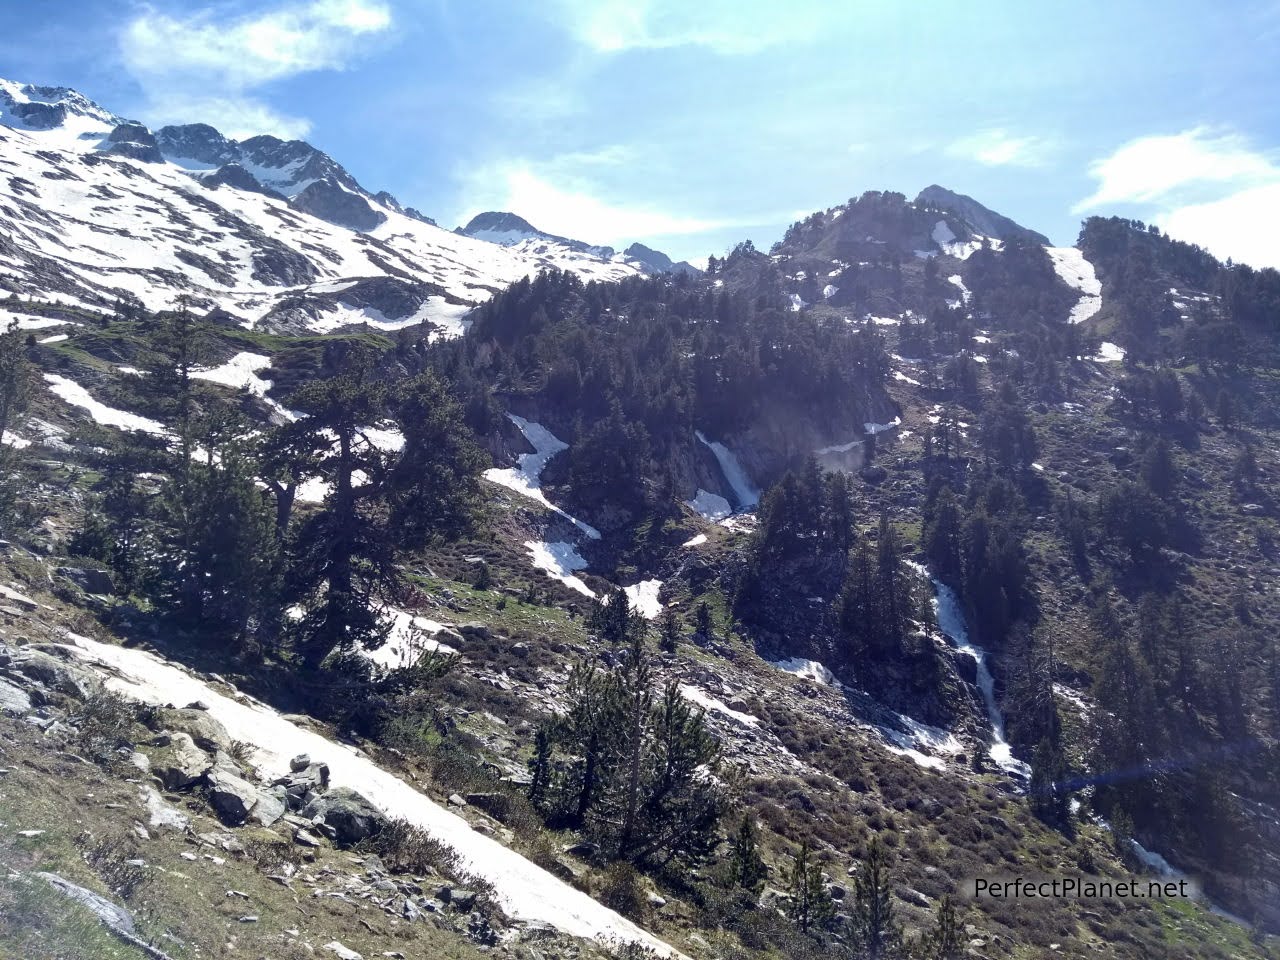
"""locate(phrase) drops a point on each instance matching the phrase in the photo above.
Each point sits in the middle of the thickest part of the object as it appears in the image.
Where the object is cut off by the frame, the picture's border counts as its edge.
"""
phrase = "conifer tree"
(873, 920)
(746, 867)
(811, 908)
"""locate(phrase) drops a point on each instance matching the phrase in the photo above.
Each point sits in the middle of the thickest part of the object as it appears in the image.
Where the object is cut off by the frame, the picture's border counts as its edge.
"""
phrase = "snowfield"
(107, 223)
(1078, 273)
(525, 891)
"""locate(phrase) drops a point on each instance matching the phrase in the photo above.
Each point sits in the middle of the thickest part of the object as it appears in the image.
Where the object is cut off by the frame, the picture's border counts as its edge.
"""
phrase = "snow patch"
(1108, 353)
(1078, 273)
(695, 541)
(707, 702)
(710, 506)
(558, 560)
(874, 428)
(642, 597)
(808, 670)
(71, 392)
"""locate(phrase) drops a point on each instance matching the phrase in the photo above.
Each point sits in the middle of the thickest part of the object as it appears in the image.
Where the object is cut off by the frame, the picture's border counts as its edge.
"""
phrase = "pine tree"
(540, 768)
(747, 868)
(703, 626)
(946, 941)
(669, 627)
(873, 921)
(811, 908)
(343, 559)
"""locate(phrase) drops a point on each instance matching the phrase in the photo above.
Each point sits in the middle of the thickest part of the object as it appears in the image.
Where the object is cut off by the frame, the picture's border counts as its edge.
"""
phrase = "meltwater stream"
(946, 606)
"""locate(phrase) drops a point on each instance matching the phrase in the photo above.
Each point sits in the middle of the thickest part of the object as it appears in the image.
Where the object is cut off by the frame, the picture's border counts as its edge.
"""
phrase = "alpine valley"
(374, 589)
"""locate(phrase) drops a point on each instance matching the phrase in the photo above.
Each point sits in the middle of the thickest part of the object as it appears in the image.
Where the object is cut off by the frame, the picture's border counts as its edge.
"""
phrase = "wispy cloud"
(999, 148)
(1204, 186)
(722, 26)
(178, 60)
(1158, 169)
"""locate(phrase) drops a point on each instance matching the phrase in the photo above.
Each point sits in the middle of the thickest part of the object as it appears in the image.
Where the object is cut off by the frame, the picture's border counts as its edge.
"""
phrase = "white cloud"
(178, 60)
(1202, 186)
(1244, 226)
(723, 26)
(999, 148)
(1182, 166)
(572, 209)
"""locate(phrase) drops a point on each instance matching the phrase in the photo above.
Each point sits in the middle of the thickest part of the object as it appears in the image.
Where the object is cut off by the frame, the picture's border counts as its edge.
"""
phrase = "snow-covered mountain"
(95, 208)
(517, 233)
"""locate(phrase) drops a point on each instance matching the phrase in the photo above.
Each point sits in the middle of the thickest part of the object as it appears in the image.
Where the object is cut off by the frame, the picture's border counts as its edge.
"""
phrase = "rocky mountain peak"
(198, 142)
(983, 220)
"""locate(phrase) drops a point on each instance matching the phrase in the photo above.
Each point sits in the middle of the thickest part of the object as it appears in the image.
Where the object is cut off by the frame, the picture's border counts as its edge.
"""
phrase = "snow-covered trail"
(525, 891)
(946, 606)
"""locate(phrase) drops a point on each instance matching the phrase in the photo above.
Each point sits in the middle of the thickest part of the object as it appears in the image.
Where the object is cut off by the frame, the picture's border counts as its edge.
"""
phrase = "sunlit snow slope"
(93, 207)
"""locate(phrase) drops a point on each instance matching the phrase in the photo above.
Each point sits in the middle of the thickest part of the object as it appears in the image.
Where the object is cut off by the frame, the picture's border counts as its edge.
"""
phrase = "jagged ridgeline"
(748, 611)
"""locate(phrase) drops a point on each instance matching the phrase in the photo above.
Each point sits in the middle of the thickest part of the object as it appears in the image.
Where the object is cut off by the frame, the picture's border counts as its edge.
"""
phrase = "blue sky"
(693, 125)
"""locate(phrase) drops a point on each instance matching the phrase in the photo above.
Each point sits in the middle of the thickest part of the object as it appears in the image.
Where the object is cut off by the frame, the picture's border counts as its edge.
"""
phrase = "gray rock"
(305, 838)
(475, 631)
(13, 699)
(90, 581)
(299, 763)
(350, 816)
(343, 953)
(231, 796)
(460, 898)
(270, 806)
(207, 732)
(176, 760)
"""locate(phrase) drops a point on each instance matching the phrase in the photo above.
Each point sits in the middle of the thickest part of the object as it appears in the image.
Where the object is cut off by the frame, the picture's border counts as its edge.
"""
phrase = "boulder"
(475, 631)
(207, 732)
(270, 806)
(460, 898)
(90, 581)
(347, 814)
(232, 796)
(176, 761)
